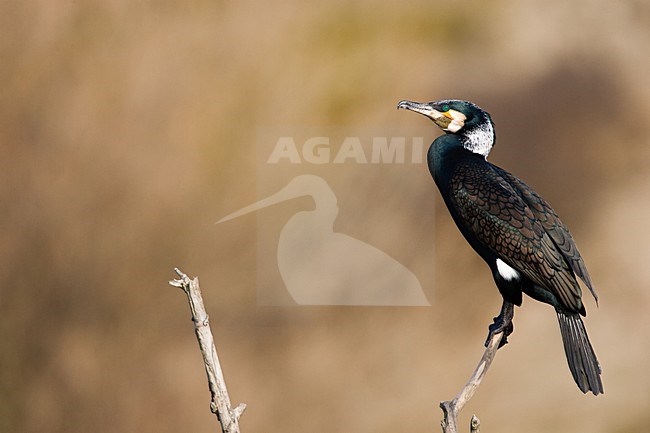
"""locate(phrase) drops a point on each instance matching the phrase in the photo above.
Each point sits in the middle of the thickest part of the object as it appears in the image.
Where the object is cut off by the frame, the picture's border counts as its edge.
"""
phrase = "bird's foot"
(497, 327)
(502, 323)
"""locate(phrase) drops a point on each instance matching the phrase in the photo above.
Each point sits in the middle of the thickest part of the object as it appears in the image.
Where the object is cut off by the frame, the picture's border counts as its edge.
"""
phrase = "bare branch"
(451, 409)
(220, 401)
(474, 425)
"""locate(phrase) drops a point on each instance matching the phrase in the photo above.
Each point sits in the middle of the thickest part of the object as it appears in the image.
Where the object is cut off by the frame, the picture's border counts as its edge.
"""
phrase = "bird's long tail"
(582, 360)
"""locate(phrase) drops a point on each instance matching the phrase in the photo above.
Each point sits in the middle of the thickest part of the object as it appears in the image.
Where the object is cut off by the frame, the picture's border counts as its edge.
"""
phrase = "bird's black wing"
(502, 221)
(552, 224)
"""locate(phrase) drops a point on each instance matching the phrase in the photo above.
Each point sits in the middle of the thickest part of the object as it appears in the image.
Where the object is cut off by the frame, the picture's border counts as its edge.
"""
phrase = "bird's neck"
(445, 153)
(479, 139)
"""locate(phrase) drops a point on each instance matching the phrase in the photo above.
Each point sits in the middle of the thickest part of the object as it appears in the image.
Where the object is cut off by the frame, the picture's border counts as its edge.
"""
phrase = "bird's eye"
(445, 108)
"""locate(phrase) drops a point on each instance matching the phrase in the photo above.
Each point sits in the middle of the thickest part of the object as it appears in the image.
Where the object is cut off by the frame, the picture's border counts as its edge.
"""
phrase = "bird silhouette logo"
(322, 267)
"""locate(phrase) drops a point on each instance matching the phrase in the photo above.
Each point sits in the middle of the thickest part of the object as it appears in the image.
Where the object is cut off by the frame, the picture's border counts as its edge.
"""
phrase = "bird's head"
(465, 119)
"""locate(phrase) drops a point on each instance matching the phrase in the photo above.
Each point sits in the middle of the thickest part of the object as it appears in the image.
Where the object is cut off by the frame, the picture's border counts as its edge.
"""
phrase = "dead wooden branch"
(451, 409)
(220, 401)
(474, 425)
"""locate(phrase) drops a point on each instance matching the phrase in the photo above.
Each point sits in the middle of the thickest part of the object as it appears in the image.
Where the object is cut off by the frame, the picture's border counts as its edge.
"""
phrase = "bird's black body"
(521, 238)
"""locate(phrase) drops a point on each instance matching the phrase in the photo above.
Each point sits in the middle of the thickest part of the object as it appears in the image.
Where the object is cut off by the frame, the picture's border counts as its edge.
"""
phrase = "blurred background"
(129, 127)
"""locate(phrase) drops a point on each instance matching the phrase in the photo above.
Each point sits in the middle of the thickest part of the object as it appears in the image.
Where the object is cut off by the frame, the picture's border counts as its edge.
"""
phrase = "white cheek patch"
(455, 125)
(506, 272)
(457, 121)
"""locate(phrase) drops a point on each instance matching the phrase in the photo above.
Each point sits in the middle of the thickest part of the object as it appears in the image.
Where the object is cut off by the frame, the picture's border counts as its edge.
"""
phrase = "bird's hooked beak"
(449, 121)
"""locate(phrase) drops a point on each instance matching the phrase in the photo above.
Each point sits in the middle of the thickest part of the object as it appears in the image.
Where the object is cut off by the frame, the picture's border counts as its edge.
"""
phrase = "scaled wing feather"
(502, 220)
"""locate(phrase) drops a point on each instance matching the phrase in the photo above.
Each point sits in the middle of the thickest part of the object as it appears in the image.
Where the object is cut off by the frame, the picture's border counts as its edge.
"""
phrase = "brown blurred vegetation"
(128, 128)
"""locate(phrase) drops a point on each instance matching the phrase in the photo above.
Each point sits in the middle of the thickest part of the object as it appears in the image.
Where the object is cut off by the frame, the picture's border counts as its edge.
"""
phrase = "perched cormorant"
(521, 238)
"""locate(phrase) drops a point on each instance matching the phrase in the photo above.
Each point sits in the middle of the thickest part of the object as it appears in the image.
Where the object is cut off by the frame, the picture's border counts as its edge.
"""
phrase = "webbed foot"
(502, 323)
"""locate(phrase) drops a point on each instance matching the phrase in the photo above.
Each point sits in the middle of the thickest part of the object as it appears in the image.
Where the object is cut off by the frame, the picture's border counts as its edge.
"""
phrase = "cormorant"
(520, 237)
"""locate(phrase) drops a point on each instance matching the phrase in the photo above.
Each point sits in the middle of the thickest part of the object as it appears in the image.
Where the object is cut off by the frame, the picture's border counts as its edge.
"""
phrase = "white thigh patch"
(506, 272)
